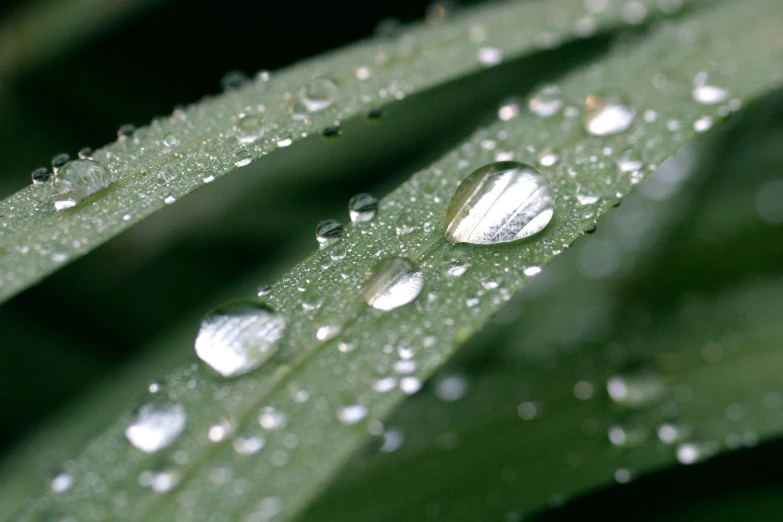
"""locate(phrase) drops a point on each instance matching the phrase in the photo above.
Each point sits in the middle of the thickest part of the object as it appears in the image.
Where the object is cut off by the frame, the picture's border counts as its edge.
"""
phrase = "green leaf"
(35, 240)
(310, 382)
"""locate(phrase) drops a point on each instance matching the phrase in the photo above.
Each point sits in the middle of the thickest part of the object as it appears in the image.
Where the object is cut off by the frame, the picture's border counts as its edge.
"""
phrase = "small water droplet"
(692, 452)
(591, 228)
(528, 410)
(673, 433)
(271, 419)
(629, 161)
(263, 290)
(586, 199)
(337, 252)
(209, 178)
(362, 207)
(375, 114)
(160, 481)
(318, 94)
(410, 385)
(233, 80)
(708, 88)
(41, 175)
(61, 482)
(703, 124)
(546, 102)
(404, 224)
(351, 414)
(636, 389)
(509, 109)
(156, 426)
(394, 282)
(532, 271)
(332, 132)
(85, 152)
(329, 232)
(451, 388)
(490, 56)
(284, 140)
(125, 131)
(239, 337)
(248, 445)
(548, 157)
(249, 128)
(59, 160)
(78, 180)
(242, 157)
(607, 114)
(169, 199)
(500, 202)
(170, 141)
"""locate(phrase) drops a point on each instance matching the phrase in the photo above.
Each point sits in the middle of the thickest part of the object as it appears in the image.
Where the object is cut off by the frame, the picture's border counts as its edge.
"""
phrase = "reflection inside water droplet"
(239, 337)
(78, 180)
(394, 283)
(500, 202)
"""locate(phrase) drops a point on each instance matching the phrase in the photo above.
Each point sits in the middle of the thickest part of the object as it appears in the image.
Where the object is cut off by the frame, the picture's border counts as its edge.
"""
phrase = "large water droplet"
(249, 128)
(318, 94)
(362, 207)
(329, 232)
(394, 282)
(608, 113)
(546, 102)
(499, 202)
(708, 88)
(239, 337)
(78, 180)
(156, 426)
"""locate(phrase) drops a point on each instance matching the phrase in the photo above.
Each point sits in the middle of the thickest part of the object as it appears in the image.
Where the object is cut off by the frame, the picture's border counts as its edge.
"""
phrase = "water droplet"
(160, 481)
(500, 202)
(318, 94)
(375, 114)
(622, 476)
(263, 290)
(528, 410)
(635, 390)
(61, 482)
(332, 131)
(703, 124)
(451, 388)
(607, 114)
(394, 282)
(629, 161)
(351, 414)
(59, 160)
(248, 445)
(548, 157)
(328, 329)
(404, 224)
(627, 434)
(532, 271)
(586, 199)
(708, 88)
(125, 131)
(239, 337)
(410, 385)
(329, 232)
(78, 180)
(271, 419)
(510, 109)
(156, 426)
(242, 157)
(692, 452)
(337, 252)
(41, 175)
(392, 441)
(490, 56)
(169, 199)
(673, 433)
(591, 228)
(155, 386)
(170, 141)
(546, 102)
(249, 128)
(85, 152)
(362, 207)
(233, 80)
(284, 140)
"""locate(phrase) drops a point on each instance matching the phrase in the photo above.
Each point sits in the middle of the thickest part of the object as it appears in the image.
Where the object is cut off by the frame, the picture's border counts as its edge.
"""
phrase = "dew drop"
(249, 128)
(500, 202)
(169, 199)
(160, 481)
(318, 94)
(351, 414)
(629, 161)
(125, 131)
(410, 385)
(546, 102)
(489, 56)
(394, 282)
(85, 152)
(362, 207)
(239, 337)
(263, 290)
(404, 224)
(548, 157)
(692, 452)
(375, 114)
(78, 180)
(708, 88)
(509, 109)
(329, 232)
(170, 141)
(41, 175)
(271, 419)
(156, 426)
(607, 114)
(284, 140)
(332, 132)
(248, 445)
(635, 390)
(532, 271)
(61, 482)
(242, 157)
(59, 160)
(233, 80)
